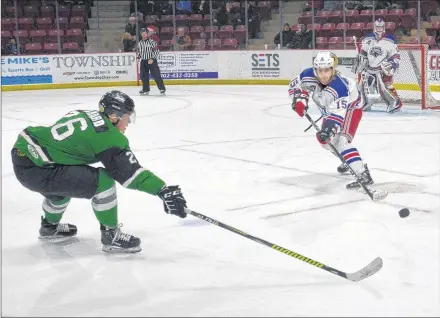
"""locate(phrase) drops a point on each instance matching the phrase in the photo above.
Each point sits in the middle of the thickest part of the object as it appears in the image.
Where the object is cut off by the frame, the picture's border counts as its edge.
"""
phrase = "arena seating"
(330, 29)
(38, 26)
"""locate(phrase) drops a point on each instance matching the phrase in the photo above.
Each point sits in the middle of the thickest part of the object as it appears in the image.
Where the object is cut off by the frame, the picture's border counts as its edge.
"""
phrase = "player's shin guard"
(54, 209)
(105, 203)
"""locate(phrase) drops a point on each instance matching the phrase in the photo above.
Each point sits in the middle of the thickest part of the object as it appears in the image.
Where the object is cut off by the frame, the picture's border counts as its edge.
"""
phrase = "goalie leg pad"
(388, 93)
(367, 85)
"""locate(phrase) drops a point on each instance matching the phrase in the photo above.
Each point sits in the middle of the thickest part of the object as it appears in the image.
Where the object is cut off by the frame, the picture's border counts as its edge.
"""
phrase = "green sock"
(54, 210)
(105, 203)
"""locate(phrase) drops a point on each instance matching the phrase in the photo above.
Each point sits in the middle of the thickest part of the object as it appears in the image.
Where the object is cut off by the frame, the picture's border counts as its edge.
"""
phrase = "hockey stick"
(373, 194)
(371, 269)
(315, 122)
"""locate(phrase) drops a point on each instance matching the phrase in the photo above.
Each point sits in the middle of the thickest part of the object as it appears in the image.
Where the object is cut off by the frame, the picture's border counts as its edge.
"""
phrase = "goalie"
(376, 63)
(340, 102)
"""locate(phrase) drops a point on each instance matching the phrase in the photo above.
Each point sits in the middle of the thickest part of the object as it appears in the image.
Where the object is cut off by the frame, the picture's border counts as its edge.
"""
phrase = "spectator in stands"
(183, 7)
(332, 5)
(253, 19)
(201, 7)
(302, 39)
(286, 35)
(148, 7)
(152, 33)
(181, 41)
(12, 48)
(130, 35)
(163, 7)
(226, 15)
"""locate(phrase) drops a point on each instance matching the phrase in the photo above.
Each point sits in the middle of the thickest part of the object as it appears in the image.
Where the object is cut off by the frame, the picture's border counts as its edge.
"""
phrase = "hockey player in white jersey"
(340, 102)
(376, 62)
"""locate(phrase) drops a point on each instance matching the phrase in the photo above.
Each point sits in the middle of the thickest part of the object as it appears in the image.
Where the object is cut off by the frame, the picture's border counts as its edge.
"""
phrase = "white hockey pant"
(347, 151)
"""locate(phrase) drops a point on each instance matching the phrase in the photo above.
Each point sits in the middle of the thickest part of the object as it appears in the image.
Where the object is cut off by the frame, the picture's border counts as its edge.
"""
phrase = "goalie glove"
(173, 200)
(387, 68)
(300, 102)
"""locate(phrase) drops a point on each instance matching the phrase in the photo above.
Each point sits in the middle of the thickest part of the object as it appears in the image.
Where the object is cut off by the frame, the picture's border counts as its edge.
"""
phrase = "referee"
(147, 52)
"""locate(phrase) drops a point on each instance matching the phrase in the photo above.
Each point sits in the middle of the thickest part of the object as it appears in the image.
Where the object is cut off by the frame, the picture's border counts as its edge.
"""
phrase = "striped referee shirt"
(147, 49)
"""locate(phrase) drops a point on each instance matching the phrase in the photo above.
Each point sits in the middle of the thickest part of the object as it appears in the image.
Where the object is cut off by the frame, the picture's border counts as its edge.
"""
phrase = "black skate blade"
(120, 250)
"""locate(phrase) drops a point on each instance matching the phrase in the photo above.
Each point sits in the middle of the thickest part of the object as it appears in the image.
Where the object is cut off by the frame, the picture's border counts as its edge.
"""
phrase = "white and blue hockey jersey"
(334, 100)
(379, 51)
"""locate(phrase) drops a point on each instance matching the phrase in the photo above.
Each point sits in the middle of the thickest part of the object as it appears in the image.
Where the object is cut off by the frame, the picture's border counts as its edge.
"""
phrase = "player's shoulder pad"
(338, 87)
(368, 37)
(389, 37)
(307, 74)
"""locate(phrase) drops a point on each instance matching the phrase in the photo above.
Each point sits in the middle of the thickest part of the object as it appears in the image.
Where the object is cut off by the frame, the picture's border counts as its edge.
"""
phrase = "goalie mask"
(324, 67)
(379, 28)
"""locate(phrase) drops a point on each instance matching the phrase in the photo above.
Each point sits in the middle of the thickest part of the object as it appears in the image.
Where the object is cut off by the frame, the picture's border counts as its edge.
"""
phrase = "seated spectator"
(183, 7)
(130, 35)
(163, 7)
(152, 32)
(226, 15)
(286, 35)
(12, 48)
(302, 39)
(332, 5)
(253, 20)
(181, 41)
(200, 7)
(148, 7)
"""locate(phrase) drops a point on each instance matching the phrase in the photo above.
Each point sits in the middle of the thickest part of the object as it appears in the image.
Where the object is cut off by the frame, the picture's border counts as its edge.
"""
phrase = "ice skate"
(114, 241)
(56, 231)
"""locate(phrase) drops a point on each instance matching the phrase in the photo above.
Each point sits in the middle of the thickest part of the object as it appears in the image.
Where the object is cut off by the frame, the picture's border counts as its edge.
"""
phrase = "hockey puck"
(404, 213)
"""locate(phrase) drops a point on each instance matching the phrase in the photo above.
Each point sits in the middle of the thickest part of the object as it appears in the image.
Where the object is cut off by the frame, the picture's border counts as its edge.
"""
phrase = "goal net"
(412, 78)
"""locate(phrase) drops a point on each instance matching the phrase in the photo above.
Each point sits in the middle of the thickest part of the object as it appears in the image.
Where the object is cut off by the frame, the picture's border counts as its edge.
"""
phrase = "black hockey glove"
(328, 130)
(173, 201)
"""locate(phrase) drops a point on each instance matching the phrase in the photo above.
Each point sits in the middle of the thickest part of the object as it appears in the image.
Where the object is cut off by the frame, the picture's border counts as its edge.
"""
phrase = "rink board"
(269, 67)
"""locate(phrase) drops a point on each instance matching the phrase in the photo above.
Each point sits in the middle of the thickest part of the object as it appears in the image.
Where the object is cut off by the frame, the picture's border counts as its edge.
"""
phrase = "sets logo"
(265, 61)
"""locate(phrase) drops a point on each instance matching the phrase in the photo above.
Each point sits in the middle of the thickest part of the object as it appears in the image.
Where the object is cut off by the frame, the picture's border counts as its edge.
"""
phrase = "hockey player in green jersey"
(54, 161)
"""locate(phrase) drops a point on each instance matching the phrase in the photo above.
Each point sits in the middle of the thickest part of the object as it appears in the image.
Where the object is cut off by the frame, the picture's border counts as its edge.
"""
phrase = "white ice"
(241, 156)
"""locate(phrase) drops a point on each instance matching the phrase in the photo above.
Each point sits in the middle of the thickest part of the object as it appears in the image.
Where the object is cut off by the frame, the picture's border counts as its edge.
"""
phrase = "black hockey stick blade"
(374, 194)
(369, 270)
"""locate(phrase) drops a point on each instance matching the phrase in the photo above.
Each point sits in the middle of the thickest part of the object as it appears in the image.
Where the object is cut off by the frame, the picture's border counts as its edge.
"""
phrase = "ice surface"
(241, 156)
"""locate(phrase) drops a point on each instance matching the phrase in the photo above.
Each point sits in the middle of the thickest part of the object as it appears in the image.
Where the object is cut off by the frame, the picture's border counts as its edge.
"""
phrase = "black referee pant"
(145, 70)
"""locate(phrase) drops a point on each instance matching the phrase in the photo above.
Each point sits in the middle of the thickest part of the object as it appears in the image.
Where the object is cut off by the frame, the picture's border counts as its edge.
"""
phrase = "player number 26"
(65, 130)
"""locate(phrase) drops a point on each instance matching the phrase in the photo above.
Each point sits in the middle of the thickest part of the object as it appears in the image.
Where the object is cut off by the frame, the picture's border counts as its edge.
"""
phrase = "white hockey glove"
(387, 68)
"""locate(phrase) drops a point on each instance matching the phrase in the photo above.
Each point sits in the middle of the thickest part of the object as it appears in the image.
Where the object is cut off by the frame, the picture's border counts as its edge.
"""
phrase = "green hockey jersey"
(84, 137)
